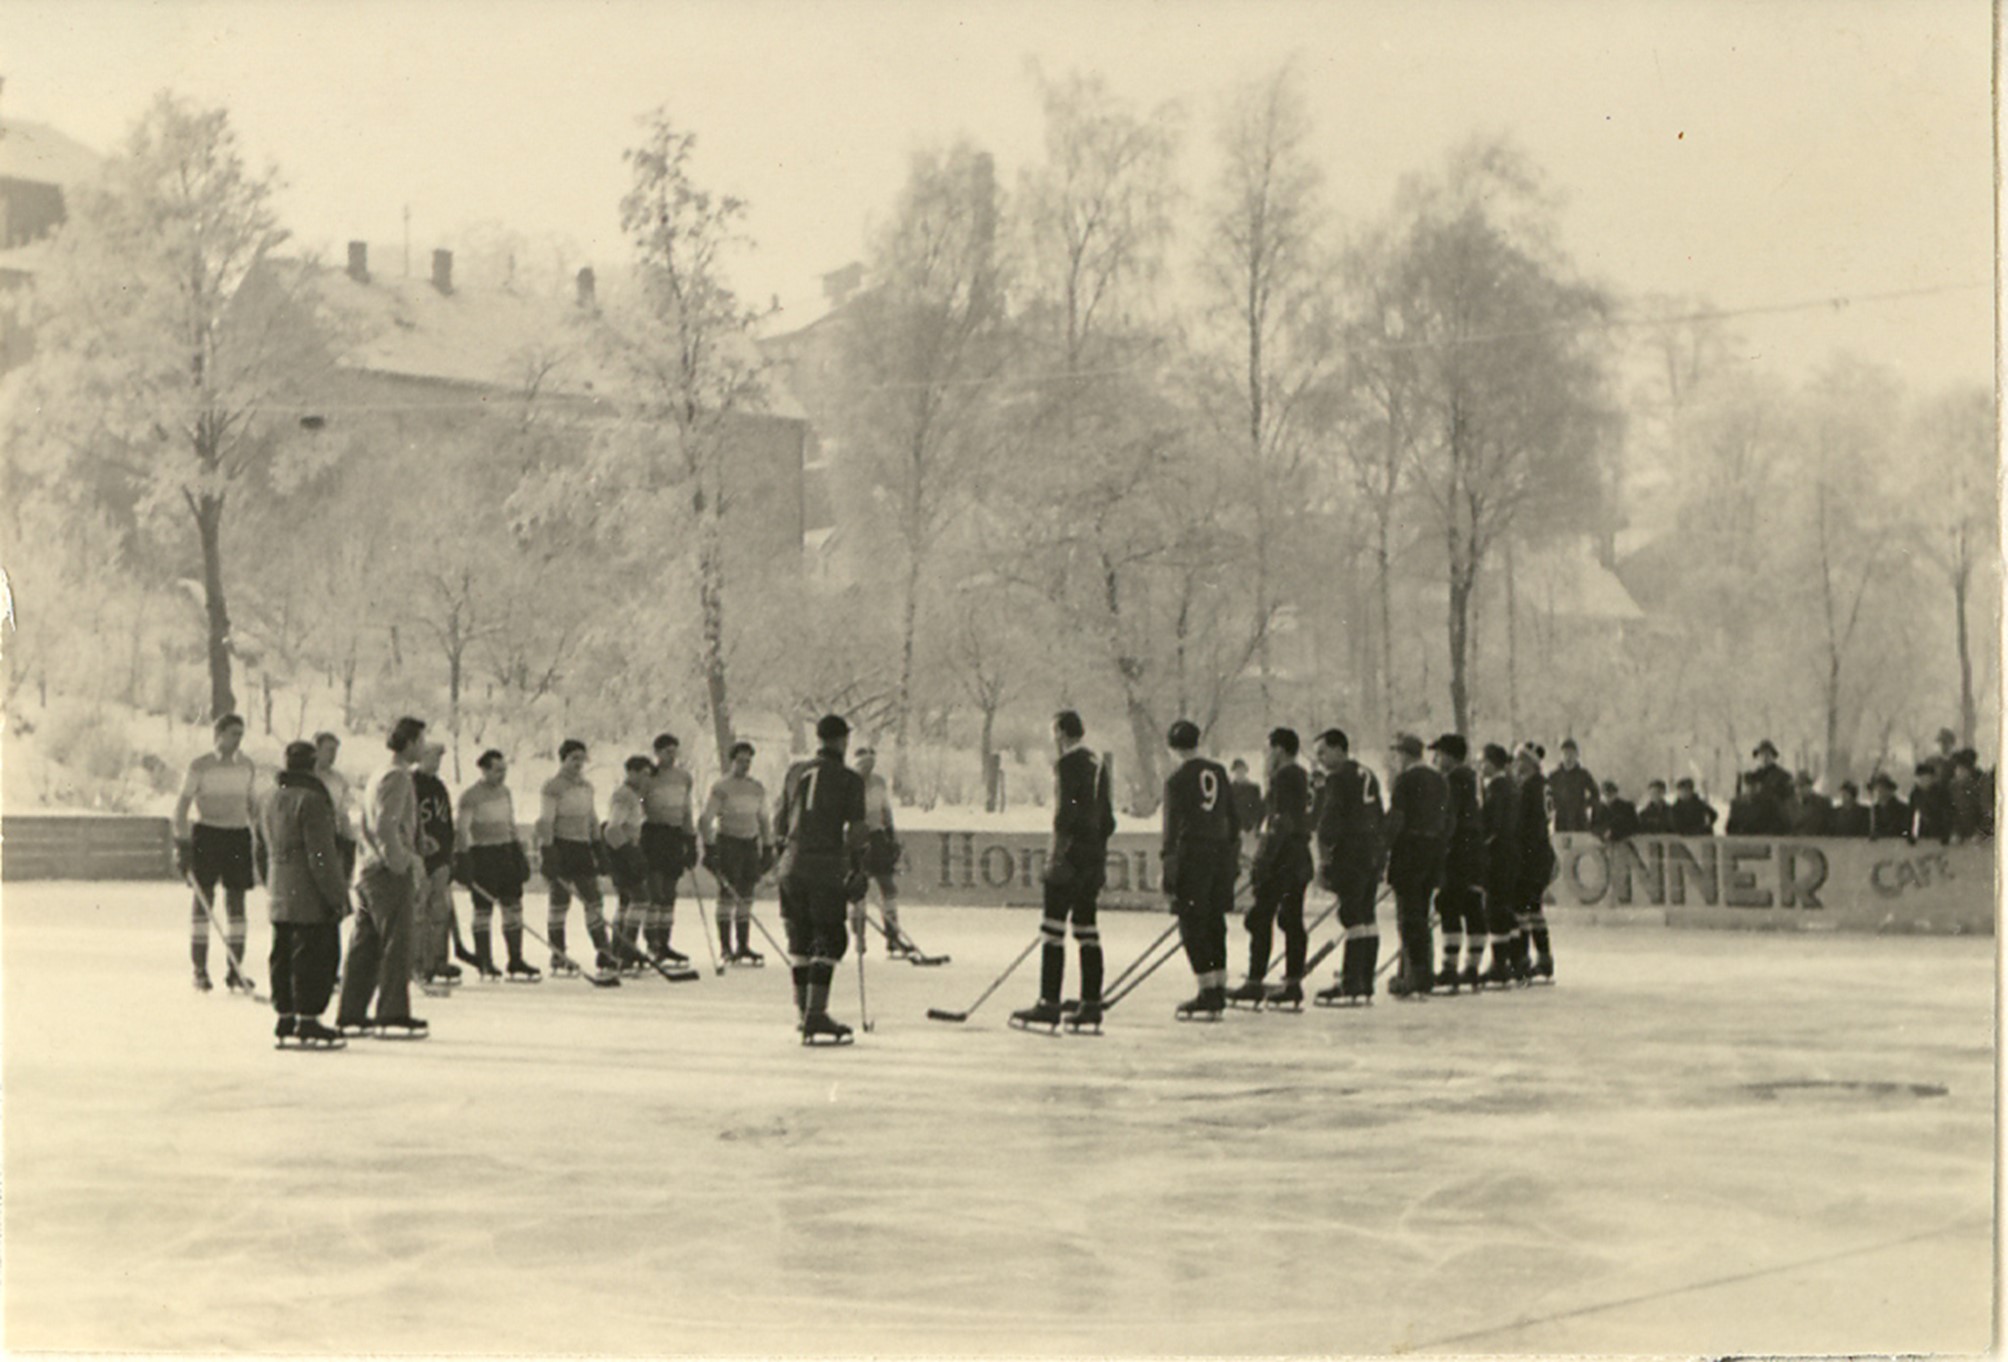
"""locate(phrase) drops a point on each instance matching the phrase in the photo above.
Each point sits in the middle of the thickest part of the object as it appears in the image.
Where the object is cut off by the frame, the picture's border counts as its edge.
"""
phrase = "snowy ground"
(1618, 1164)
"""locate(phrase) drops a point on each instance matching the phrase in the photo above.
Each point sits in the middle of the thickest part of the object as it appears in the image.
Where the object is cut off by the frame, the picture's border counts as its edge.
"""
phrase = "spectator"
(1655, 816)
(1775, 780)
(1850, 816)
(1945, 758)
(1693, 816)
(1572, 793)
(309, 898)
(1969, 796)
(1931, 805)
(1756, 811)
(1616, 818)
(1249, 807)
(1809, 812)
(1889, 817)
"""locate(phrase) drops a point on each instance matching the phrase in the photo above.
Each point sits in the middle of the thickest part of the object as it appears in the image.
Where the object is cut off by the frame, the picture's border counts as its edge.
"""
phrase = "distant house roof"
(1569, 581)
(37, 152)
(479, 336)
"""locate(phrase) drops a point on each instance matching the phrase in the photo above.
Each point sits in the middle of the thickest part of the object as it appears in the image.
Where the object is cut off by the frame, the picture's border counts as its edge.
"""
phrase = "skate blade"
(927, 961)
(1084, 1029)
(336, 1044)
(819, 1042)
(400, 1035)
(1283, 1007)
(1196, 1016)
(1040, 1028)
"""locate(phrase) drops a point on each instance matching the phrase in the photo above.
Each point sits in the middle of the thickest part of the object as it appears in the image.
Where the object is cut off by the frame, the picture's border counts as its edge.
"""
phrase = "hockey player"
(821, 821)
(216, 847)
(1202, 854)
(432, 916)
(668, 844)
(1693, 816)
(1889, 817)
(379, 959)
(1084, 819)
(1655, 816)
(1460, 900)
(1350, 858)
(1537, 866)
(625, 862)
(881, 851)
(1574, 792)
(326, 748)
(490, 860)
(1418, 836)
(309, 897)
(1500, 814)
(738, 850)
(567, 829)
(1280, 874)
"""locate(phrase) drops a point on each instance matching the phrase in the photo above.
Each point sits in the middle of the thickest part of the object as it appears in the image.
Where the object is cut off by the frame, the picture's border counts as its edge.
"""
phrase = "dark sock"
(1052, 971)
(1091, 974)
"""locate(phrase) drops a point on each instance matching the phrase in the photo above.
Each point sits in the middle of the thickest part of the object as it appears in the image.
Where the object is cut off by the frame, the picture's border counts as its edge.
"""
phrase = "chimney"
(586, 299)
(359, 261)
(442, 271)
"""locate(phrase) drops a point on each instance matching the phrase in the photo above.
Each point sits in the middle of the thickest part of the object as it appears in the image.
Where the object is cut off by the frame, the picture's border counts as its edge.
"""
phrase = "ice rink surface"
(1698, 1143)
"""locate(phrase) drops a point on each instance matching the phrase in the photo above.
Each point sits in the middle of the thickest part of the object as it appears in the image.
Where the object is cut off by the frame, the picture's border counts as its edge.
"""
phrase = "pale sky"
(1759, 152)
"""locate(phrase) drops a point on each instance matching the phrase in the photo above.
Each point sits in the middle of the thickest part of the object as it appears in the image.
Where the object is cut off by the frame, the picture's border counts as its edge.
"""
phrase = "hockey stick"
(593, 977)
(915, 955)
(236, 960)
(779, 949)
(685, 976)
(1115, 985)
(942, 1015)
(704, 925)
(865, 1022)
(1133, 984)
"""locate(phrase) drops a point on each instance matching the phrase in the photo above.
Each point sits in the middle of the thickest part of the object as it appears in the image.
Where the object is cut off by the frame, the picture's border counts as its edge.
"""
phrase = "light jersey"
(624, 816)
(668, 797)
(487, 816)
(221, 789)
(337, 786)
(878, 803)
(569, 805)
(737, 807)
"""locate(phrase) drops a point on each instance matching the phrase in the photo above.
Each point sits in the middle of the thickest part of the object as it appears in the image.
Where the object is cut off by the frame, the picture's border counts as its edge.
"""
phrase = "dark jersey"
(1501, 816)
(1418, 827)
(1465, 863)
(1084, 818)
(1849, 820)
(435, 819)
(1693, 816)
(821, 818)
(1286, 825)
(1776, 783)
(1199, 805)
(1348, 823)
(1537, 851)
(1755, 814)
(1574, 792)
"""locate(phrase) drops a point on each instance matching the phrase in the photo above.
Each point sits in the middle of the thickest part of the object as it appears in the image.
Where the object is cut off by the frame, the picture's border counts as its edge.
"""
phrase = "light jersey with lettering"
(738, 805)
(487, 816)
(668, 797)
(337, 786)
(221, 788)
(568, 805)
(878, 803)
(624, 816)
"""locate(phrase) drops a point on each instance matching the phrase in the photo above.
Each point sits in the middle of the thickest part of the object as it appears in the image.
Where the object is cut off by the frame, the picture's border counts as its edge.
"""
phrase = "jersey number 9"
(1209, 790)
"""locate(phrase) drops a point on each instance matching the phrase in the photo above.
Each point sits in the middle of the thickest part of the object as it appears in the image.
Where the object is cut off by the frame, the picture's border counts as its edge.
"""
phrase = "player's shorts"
(495, 871)
(630, 874)
(570, 868)
(815, 918)
(1206, 875)
(221, 855)
(667, 850)
(737, 862)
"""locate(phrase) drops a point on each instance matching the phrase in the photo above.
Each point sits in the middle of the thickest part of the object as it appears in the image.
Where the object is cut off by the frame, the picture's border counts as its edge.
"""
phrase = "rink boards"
(1787, 883)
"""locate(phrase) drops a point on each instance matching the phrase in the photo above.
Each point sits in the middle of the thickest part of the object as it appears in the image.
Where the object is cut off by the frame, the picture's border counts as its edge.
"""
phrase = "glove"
(709, 860)
(463, 868)
(689, 857)
(856, 885)
(184, 857)
(603, 857)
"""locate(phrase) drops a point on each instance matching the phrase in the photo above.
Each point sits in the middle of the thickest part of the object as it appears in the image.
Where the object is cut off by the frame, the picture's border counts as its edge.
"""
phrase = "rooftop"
(37, 152)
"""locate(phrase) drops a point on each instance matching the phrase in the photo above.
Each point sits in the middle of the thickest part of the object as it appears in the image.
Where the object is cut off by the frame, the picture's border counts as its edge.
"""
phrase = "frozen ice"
(1697, 1142)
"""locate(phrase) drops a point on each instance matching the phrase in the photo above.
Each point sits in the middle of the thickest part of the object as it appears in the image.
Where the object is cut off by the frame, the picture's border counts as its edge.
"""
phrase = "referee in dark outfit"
(821, 824)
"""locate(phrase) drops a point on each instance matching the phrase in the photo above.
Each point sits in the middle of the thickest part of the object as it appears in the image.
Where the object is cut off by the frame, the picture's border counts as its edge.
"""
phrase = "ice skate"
(1406, 989)
(283, 1031)
(563, 968)
(402, 1028)
(1085, 1017)
(309, 1034)
(673, 959)
(239, 983)
(1500, 975)
(1287, 996)
(202, 984)
(1543, 971)
(1042, 1013)
(747, 958)
(1205, 1007)
(820, 1028)
(1470, 978)
(522, 972)
(1252, 993)
(1339, 995)
(352, 1029)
